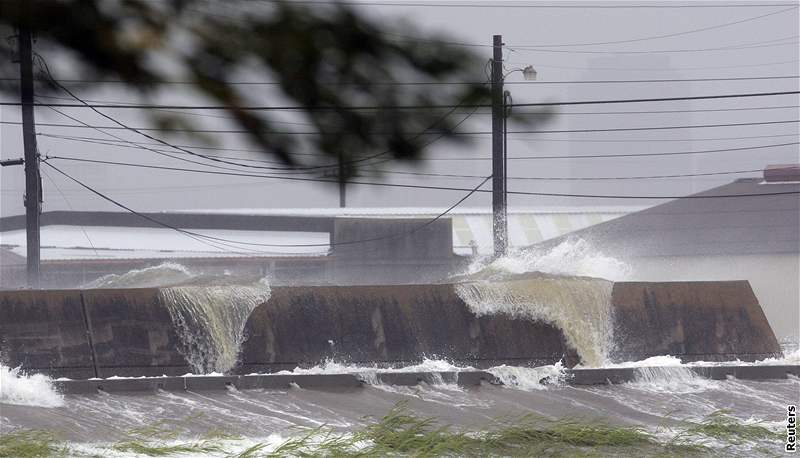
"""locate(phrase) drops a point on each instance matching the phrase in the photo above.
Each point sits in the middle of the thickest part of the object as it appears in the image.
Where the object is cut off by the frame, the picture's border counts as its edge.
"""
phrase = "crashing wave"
(164, 274)
(567, 286)
(210, 321)
(27, 389)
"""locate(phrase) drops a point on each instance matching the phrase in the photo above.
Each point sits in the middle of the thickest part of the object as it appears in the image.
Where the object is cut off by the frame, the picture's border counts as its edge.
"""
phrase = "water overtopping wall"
(132, 332)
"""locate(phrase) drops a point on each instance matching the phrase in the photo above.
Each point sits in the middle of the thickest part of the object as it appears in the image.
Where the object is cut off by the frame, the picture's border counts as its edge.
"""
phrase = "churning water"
(209, 313)
(662, 401)
(568, 286)
(210, 321)
(580, 307)
(168, 273)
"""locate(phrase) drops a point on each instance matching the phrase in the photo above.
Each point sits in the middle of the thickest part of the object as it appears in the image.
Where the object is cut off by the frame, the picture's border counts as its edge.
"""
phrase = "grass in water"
(401, 433)
(30, 444)
(161, 439)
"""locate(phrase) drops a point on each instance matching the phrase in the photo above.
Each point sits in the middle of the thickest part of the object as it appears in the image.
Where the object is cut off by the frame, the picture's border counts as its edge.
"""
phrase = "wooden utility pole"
(342, 183)
(33, 181)
(499, 211)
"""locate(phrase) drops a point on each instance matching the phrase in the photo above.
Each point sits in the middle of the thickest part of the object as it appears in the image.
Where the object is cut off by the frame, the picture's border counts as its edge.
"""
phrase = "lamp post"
(501, 108)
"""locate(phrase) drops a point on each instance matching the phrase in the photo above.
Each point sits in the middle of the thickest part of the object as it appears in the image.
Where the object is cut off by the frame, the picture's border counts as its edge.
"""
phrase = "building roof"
(113, 235)
(707, 226)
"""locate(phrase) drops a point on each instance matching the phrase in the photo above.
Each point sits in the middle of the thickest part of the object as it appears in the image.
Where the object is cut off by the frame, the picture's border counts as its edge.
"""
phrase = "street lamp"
(500, 113)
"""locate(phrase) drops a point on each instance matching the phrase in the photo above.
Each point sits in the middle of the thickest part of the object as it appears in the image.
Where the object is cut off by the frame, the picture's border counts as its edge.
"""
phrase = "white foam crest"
(330, 366)
(210, 321)
(530, 378)
(571, 257)
(167, 273)
(671, 379)
(653, 361)
(27, 389)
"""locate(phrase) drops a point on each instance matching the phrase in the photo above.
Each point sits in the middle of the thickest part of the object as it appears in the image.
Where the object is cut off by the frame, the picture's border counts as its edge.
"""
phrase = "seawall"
(130, 332)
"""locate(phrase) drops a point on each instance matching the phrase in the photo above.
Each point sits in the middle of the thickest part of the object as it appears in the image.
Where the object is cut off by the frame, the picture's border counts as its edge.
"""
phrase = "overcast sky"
(761, 47)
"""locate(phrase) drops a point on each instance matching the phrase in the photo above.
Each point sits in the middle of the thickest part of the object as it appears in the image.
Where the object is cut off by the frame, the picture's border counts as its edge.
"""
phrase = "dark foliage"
(327, 59)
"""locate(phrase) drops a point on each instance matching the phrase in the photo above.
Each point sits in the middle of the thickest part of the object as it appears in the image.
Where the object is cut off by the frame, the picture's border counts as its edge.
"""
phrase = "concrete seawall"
(129, 332)
(471, 378)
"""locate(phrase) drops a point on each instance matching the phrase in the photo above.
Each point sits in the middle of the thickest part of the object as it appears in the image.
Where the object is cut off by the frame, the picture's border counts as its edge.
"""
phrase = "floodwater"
(662, 401)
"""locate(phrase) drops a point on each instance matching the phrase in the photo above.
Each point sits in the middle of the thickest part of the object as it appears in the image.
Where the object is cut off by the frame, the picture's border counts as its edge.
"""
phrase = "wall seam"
(89, 334)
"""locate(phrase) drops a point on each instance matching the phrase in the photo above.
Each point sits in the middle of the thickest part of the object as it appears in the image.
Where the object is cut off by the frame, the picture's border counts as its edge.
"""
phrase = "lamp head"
(529, 73)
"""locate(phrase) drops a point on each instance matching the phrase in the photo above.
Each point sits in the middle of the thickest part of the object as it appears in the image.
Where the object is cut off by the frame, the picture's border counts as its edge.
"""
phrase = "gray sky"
(758, 48)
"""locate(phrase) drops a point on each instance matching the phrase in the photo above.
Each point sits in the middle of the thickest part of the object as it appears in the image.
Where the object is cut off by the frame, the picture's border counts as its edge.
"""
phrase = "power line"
(427, 83)
(515, 138)
(670, 69)
(752, 45)
(232, 131)
(701, 110)
(163, 142)
(657, 99)
(643, 140)
(640, 177)
(293, 169)
(219, 239)
(587, 156)
(400, 107)
(629, 40)
(579, 156)
(411, 186)
(131, 144)
(140, 145)
(69, 205)
(600, 156)
(627, 129)
(492, 4)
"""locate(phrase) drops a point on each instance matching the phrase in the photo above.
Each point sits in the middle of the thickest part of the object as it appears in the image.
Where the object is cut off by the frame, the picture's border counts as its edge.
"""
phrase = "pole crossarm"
(7, 162)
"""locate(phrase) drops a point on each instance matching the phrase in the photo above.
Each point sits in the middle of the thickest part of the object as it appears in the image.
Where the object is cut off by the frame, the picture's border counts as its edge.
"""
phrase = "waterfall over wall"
(522, 320)
(579, 306)
(210, 321)
(208, 313)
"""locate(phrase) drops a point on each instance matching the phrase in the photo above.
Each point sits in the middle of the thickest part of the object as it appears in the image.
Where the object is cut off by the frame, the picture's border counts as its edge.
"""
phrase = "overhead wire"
(431, 83)
(285, 170)
(404, 107)
(232, 131)
(752, 45)
(296, 245)
(537, 5)
(610, 42)
(541, 178)
(443, 188)
(69, 205)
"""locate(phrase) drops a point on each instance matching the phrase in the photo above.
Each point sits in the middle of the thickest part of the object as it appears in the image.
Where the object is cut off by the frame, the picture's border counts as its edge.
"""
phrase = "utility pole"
(33, 182)
(342, 184)
(499, 211)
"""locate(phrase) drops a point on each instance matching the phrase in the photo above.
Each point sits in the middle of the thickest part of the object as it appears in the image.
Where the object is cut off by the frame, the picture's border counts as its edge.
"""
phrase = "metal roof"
(707, 226)
(113, 235)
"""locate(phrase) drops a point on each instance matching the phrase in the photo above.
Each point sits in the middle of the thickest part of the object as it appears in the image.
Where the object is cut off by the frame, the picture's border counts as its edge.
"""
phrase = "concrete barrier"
(45, 331)
(334, 382)
(696, 321)
(129, 332)
(391, 325)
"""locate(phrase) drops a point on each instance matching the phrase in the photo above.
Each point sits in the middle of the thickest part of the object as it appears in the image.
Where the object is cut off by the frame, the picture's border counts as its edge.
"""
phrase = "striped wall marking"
(531, 229)
(562, 223)
(461, 230)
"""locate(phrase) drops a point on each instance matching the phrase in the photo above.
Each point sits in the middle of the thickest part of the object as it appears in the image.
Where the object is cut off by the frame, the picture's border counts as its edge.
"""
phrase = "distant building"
(725, 238)
(78, 247)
